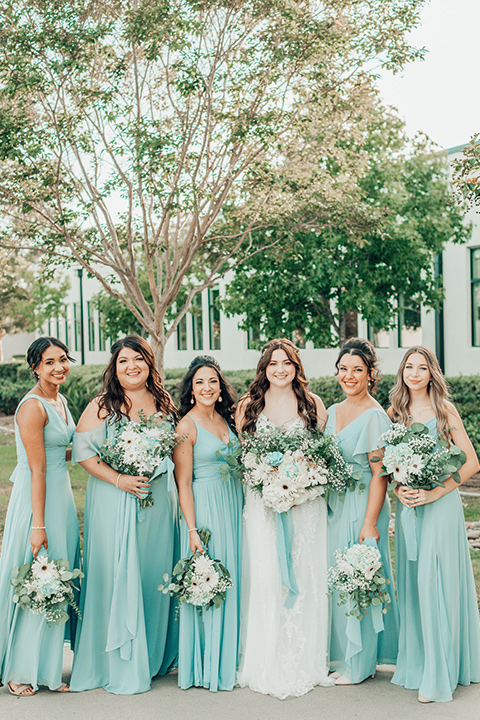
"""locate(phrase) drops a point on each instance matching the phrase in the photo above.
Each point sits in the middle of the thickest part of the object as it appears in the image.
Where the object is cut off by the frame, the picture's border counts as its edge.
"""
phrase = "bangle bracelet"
(39, 527)
(192, 530)
(118, 479)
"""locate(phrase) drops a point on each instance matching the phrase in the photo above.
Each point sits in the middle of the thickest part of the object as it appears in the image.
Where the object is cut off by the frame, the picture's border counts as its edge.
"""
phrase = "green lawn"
(79, 480)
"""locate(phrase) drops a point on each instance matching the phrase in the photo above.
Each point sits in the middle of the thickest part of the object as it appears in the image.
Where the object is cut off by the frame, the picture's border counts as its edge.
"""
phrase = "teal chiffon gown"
(31, 651)
(209, 641)
(439, 644)
(357, 647)
(128, 633)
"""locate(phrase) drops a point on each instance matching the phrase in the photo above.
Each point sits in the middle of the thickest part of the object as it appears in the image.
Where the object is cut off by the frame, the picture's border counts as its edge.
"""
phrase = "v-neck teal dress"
(439, 644)
(356, 647)
(31, 651)
(128, 633)
(209, 641)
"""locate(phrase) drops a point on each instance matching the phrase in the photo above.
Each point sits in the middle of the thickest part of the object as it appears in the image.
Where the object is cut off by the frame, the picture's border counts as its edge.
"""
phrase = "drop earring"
(219, 398)
(192, 401)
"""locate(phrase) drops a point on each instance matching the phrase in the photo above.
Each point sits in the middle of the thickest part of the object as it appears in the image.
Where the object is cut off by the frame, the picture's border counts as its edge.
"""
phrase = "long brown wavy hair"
(113, 398)
(255, 398)
(438, 392)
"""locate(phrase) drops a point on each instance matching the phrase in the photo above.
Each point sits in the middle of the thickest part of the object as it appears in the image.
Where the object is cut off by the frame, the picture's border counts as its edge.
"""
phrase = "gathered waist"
(55, 461)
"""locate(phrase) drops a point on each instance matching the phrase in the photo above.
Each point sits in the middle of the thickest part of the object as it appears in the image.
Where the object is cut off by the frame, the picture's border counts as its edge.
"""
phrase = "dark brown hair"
(225, 407)
(364, 350)
(255, 399)
(113, 398)
(38, 347)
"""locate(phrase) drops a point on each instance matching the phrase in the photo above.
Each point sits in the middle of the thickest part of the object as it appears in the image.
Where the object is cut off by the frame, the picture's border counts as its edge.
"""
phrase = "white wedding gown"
(283, 652)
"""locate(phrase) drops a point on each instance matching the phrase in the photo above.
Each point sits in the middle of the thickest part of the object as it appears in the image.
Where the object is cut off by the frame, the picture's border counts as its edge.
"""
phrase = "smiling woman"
(127, 634)
(363, 516)
(209, 643)
(41, 518)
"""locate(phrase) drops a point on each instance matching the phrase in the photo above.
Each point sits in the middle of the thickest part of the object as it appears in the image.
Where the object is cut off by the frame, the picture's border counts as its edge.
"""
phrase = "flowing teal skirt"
(209, 641)
(439, 643)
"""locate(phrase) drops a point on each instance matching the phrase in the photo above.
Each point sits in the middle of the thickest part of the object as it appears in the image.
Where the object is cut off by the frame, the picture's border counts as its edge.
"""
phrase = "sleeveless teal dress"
(439, 644)
(31, 651)
(128, 633)
(357, 647)
(209, 642)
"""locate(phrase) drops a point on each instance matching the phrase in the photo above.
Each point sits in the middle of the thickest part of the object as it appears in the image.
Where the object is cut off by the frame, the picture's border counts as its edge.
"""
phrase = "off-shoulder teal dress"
(439, 644)
(356, 647)
(128, 633)
(209, 641)
(31, 651)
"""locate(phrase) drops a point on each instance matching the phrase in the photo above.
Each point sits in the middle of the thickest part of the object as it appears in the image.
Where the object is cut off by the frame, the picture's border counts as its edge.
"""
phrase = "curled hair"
(364, 350)
(38, 347)
(438, 393)
(225, 407)
(113, 399)
(255, 398)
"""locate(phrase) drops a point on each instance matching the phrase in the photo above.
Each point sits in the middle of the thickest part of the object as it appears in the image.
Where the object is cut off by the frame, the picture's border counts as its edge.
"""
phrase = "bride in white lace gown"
(283, 651)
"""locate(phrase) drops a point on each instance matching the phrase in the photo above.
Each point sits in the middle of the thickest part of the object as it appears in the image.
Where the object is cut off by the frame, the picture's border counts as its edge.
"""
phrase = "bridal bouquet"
(198, 580)
(45, 587)
(139, 448)
(415, 458)
(291, 468)
(358, 578)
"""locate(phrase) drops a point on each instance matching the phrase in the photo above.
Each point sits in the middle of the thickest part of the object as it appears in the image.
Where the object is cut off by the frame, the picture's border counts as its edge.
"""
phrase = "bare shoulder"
(318, 402)
(32, 412)
(452, 412)
(187, 429)
(390, 412)
(92, 417)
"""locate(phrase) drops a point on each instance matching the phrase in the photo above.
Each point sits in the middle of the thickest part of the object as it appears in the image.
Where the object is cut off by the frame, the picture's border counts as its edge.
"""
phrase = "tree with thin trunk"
(129, 128)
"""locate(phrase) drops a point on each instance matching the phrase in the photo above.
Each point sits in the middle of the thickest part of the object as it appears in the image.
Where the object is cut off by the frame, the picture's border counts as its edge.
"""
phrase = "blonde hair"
(437, 392)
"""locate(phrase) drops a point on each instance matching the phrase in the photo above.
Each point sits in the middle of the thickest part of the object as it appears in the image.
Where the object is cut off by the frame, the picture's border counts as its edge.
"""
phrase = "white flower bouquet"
(413, 457)
(358, 578)
(45, 587)
(198, 580)
(140, 448)
(291, 468)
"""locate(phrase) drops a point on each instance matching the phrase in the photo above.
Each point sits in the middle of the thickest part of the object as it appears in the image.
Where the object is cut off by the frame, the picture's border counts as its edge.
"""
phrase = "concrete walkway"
(375, 699)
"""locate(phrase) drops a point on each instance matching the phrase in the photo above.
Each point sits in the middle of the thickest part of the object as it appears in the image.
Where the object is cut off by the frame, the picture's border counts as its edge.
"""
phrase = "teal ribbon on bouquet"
(354, 627)
(166, 466)
(408, 518)
(285, 532)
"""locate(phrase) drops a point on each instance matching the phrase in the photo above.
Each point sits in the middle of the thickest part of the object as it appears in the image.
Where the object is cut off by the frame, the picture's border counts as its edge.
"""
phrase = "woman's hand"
(368, 531)
(37, 539)
(195, 542)
(137, 486)
(411, 497)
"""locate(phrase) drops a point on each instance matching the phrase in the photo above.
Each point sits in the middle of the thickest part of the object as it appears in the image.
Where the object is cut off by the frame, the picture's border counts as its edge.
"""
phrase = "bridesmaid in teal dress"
(357, 647)
(128, 633)
(439, 645)
(41, 519)
(209, 642)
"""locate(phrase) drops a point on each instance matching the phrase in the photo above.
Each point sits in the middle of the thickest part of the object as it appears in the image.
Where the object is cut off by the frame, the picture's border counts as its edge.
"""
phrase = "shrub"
(10, 395)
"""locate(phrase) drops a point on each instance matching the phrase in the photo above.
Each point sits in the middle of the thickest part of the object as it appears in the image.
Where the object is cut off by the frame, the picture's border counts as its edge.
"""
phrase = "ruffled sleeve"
(87, 444)
(374, 426)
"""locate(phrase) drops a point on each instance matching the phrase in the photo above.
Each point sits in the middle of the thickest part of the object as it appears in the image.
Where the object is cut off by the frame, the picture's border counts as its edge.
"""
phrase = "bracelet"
(118, 478)
(192, 530)
(39, 527)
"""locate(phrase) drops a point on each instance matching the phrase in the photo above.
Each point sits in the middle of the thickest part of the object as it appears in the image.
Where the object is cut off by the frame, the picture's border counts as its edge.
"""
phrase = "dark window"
(214, 318)
(197, 322)
(475, 278)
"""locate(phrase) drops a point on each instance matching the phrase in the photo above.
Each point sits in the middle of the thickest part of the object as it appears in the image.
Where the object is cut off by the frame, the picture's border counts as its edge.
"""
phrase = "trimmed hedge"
(85, 380)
